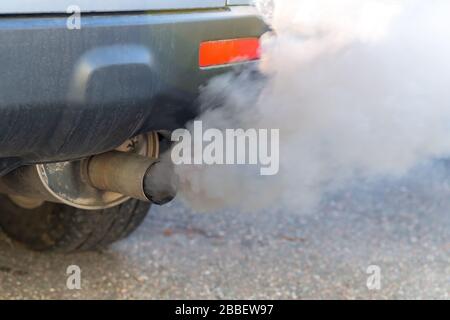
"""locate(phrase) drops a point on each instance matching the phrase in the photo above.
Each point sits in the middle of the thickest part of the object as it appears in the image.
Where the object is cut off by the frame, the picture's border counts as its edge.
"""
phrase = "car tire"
(61, 228)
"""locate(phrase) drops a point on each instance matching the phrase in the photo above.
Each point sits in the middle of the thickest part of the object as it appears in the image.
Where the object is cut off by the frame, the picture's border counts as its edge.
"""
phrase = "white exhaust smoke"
(357, 88)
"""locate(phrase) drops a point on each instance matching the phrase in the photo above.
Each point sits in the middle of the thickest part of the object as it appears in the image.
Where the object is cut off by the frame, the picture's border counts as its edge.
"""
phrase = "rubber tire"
(61, 228)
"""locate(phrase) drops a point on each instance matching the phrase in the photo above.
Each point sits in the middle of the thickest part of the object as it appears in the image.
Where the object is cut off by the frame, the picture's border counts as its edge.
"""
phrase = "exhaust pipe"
(100, 182)
(133, 175)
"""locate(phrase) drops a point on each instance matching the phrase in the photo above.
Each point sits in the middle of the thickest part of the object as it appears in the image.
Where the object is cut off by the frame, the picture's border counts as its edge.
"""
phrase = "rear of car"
(83, 80)
(134, 67)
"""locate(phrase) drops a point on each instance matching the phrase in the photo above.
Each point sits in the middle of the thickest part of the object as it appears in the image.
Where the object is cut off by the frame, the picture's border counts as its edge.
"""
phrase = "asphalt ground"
(401, 226)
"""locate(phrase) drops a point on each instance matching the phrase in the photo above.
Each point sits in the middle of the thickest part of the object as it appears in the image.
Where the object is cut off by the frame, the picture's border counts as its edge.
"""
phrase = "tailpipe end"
(135, 176)
(161, 182)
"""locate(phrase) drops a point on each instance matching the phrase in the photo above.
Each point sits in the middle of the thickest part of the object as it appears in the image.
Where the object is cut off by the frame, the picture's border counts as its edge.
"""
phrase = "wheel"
(57, 227)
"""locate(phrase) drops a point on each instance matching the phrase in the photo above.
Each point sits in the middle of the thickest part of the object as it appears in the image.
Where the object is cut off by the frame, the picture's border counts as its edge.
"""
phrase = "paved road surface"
(401, 226)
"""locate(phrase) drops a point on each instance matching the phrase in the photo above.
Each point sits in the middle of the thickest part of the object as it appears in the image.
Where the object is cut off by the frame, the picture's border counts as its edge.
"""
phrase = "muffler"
(99, 182)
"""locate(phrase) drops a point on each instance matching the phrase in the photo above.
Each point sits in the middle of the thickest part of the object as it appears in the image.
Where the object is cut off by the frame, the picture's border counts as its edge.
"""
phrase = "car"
(89, 94)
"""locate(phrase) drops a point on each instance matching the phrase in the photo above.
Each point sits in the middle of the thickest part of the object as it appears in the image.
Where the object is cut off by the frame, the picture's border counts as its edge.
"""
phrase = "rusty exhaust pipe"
(100, 182)
(133, 175)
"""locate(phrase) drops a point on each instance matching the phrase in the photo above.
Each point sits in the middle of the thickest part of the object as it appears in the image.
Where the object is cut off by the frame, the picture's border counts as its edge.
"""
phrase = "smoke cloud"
(358, 89)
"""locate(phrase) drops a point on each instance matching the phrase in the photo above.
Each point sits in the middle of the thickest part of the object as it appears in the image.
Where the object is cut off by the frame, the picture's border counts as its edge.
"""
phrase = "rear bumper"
(66, 94)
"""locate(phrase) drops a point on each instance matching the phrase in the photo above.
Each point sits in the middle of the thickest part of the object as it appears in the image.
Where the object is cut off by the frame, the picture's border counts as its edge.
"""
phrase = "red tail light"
(222, 52)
